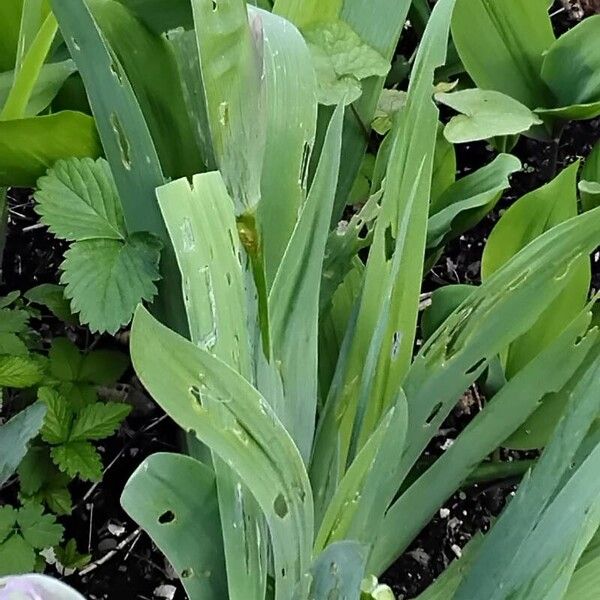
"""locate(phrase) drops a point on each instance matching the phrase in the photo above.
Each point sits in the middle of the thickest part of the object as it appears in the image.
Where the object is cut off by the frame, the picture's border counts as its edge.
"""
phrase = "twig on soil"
(98, 563)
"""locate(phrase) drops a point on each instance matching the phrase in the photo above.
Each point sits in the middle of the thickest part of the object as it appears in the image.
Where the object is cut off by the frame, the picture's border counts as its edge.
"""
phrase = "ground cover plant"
(260, 218)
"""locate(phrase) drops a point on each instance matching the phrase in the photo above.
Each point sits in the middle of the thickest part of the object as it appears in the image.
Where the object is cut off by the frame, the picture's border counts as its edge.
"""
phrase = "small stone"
(444, 513)
(457, 550)
(165, 591)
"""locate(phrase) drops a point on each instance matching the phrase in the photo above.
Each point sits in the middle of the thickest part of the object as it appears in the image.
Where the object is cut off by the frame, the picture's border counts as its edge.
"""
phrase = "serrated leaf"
(53, 297)
(58, 499)
(78, 394)
(19, 371)
(65, 360)
(103, 367)
(59, 416)
(107, 279)
(78, 459)
(69, 557)
(390, 102)
(78, 200)
(7, 300)
(16, 556)
(39, 530)
(8, 518)
(98, 421)
(341, 60)
(485, 114)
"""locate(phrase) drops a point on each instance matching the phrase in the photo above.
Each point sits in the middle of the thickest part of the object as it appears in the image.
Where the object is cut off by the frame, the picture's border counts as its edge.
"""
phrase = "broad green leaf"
(59, 416)
(39, 530)
(28, 71)
(485, 114)
(495, 314)
(78, 201)
(291, 113)
(13, 321)
(29, 146)
(35, 470)
(337, 572)
(53, 297)
(51, 78)
(544, 376)
(65, 359)
(160, 17)
(106, 279)
(468, 200)
(15, 436)
(10, 343)
(78, 459)
(231, 61)
(16, 556)
(33, 16)
(103, 367)
(182, 519)
(590, 175)
(199, 392)
(19, 371)
(534, 547)
(444, 165)
(308, 12)
(150, 66)
(42, 585)
(10, 20)
(444, 301)
(294, 297)
(571, 67)
(502, 45)
(126, 141)
(525, 220)
(574, 112)
(98, 421)
(341, 61)
(8, 518)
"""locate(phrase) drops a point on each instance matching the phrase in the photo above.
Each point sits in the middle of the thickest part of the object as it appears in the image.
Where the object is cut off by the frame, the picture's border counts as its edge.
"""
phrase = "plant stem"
(493, 471)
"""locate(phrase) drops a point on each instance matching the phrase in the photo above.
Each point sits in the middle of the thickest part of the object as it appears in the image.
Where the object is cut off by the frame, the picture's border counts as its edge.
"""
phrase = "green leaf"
(308, 12)
(78, 459)
(78, 201)
(12, 344)
(502, 45)
(444, 165)
(485, 114)
(526, 219)
(29, 146)
(19, 371)
(13, 321)
(106, 279)
(8, 519)
(15, 436)
(468, 200)
(98, 421)
(59, 416)
(53, 297)
(571, 67)
(103, 367)
(35, 470)
(58, 498)
(69, 557)
(444, 301)
(192, 539)
(10, 19)
(16, 556)
(590, 175)
(390, 103)
(341, 61)
(294, 297)
(39, 530)
(65, 360)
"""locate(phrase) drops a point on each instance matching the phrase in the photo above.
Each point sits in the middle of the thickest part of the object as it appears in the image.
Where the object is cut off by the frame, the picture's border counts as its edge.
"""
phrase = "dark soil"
(125, 563)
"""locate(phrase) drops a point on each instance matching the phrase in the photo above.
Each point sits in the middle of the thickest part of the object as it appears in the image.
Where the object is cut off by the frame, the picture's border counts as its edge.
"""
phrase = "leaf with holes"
(106, 279)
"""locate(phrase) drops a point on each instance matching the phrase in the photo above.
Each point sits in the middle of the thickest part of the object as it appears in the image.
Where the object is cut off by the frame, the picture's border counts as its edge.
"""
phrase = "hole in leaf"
(122, 141)
(304, 164)
(75, 44)
(280, 506)
(434, 413)
(214, 5)
(396, 344)
(167, 517)
(187, 573)
(476, 366)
